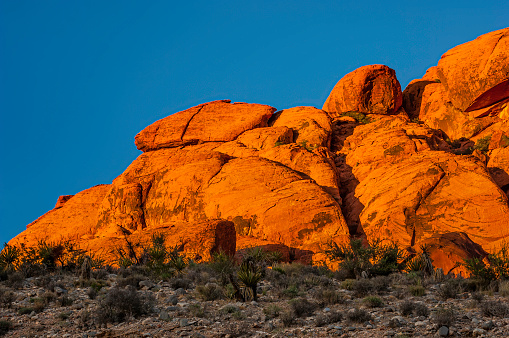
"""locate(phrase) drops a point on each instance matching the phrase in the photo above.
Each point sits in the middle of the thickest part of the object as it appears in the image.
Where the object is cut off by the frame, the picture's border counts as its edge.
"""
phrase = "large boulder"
(311, 126)
(472, 68)
(370, 89)
(208, 122)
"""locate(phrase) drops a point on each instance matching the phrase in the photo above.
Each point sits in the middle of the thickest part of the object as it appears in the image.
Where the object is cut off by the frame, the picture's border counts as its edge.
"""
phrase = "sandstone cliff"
(431, 167)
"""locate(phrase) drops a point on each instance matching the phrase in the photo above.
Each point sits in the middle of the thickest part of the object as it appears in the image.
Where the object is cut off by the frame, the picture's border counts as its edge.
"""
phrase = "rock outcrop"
(430, 169)
(370, 90)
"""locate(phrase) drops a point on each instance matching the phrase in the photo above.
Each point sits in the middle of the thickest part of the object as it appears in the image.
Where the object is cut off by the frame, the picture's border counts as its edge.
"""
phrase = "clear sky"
(79, 79)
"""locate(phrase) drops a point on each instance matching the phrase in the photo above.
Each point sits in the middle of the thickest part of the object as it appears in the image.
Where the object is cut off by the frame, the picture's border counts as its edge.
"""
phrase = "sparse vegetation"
(359, 117)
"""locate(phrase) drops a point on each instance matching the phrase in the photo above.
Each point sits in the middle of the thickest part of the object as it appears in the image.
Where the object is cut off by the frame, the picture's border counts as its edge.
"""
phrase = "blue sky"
(78, 80)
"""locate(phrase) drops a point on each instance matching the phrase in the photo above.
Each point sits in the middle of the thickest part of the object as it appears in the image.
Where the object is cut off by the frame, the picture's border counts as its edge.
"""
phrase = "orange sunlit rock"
(213, 121)
(470, 69)
(370, 89)
(227, 177)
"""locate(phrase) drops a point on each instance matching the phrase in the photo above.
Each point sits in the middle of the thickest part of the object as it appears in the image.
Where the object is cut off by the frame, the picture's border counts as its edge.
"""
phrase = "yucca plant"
(10, 258)
(250, 275)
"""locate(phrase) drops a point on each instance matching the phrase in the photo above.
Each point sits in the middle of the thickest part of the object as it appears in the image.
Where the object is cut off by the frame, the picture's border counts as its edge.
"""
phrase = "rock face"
(370, 90)
(213, 121)
(431, 168)
(470, 69)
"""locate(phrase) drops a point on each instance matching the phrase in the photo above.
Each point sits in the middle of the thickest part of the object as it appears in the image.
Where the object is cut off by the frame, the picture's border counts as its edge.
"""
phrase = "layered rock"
(370, 89)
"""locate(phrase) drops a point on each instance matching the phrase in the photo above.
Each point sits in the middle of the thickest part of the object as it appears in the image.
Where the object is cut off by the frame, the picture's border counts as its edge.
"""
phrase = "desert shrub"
(348, 284)
(272, 311)
(483, 144)
(6, 297)
(287, 318)
(358, 116)
(449, 289)
(197, 310)
(209, 292)
(478, 297)
(291, 292)
(223, 265)
(329, 297)
(132, 280)
(25, 310)
(503, 288)
(363, 287)
(374, 259)
(328, 318)
(15, 280)
(177, 283)
(5, 326)
(417, 290)
(229, 309)
(494, 309)
(120, 304)
(373, 301)
(65, 301)
(358, 315)
(497, 266)
(302, 307)
(444, 317)
(408, 307)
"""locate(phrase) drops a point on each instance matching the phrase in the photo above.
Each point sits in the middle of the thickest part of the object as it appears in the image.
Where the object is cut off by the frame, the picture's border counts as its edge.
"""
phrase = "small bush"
(444, 317)
(373, 301)
(302, 307)
(65, 301)
(483, 144)
(478, 297)
(417, 290)
(229, 309)
(5, 326)
(272, 311)
(408, 308)
(359, 117)
(374, 259)
(6, 297)
(450, 289)
(197, 310)
(329, 318)
(503, 288)
(25, 310)
(363, 287)
(209, 292)
(348, 284)
(290, 292)
(91, 293)
(131, 280)
(120, 304)
(494, 309)
(177, 283)
(358, 316)
(287, 318)
(329, 297)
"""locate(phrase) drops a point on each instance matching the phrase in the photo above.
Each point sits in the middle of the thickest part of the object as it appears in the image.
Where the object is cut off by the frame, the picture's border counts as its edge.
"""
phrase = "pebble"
(173, 300)
(488, 325)
(180, 292)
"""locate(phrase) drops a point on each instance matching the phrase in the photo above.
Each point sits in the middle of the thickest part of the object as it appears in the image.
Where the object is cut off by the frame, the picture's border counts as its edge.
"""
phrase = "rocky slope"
(301, 177)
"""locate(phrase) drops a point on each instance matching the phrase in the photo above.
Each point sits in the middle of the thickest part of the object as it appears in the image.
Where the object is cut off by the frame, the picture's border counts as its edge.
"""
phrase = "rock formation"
(431, 168)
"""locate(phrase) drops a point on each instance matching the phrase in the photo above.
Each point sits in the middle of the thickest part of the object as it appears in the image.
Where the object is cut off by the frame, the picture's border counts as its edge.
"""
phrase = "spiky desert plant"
(250, 275)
